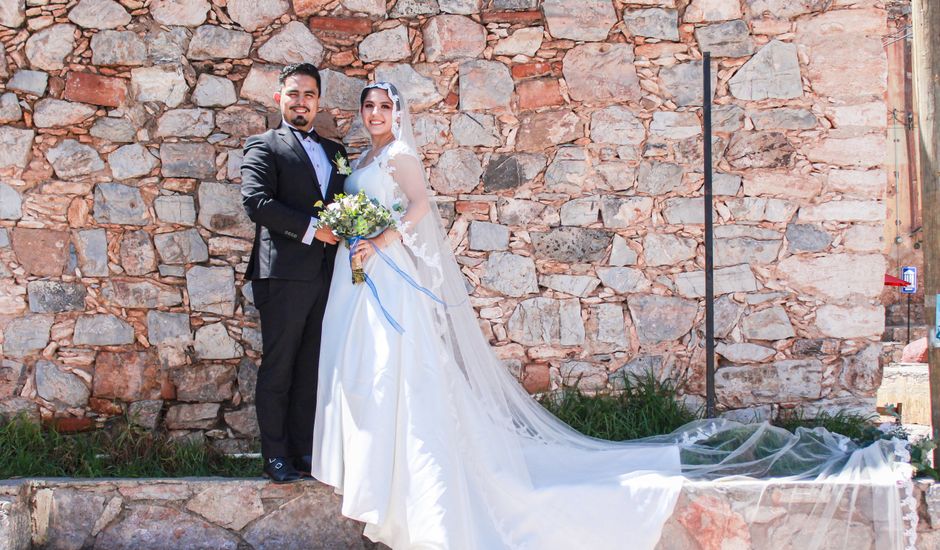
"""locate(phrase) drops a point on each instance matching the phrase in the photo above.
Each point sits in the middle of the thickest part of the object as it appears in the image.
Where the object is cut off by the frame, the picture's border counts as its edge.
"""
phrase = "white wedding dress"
(425, 465)
(433, 445)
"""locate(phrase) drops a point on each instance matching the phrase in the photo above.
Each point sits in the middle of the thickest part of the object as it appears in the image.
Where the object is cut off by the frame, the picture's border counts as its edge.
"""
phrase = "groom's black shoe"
(280, 470)
(304, 465)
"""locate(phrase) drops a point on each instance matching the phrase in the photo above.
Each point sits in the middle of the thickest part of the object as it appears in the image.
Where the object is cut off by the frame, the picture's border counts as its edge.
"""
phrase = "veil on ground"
(530, 459)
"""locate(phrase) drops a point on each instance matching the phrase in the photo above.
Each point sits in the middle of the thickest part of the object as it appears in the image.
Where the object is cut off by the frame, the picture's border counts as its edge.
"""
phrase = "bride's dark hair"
(389, 88)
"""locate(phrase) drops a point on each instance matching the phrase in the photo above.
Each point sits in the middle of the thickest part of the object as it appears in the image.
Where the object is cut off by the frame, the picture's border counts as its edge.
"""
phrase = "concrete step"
(253, 513)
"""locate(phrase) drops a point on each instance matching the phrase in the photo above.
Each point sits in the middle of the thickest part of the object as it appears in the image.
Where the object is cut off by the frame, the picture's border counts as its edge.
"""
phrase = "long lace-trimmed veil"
(708, 449)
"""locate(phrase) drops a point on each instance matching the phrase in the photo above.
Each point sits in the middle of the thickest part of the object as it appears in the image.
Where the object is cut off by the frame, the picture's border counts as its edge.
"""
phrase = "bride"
(433, 444)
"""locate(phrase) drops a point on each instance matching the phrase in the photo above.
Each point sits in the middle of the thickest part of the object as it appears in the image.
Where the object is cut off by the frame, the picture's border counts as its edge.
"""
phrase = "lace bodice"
(376, 181)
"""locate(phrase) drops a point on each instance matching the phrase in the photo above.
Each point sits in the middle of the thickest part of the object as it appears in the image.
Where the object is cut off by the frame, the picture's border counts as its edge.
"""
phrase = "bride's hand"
(365, 249)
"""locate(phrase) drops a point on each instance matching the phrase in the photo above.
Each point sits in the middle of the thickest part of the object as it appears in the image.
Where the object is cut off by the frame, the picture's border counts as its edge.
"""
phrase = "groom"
(284, 173)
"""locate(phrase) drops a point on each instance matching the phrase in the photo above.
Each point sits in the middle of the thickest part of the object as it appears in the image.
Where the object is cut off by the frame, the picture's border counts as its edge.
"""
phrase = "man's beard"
(299, 120)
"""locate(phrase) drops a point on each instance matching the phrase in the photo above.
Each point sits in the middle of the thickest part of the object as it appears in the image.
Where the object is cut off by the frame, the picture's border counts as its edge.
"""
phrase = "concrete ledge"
(252, 513)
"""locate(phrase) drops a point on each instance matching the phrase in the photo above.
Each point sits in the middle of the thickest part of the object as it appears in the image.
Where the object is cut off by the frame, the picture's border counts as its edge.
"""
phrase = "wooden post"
(926, 22)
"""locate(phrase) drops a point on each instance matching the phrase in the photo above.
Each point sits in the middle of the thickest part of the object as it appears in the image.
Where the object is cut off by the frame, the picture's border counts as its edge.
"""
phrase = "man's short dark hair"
(300, 68)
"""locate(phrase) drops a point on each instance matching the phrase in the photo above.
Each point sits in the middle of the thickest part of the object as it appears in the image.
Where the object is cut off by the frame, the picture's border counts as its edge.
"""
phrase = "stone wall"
(206, 513)
(564, 138)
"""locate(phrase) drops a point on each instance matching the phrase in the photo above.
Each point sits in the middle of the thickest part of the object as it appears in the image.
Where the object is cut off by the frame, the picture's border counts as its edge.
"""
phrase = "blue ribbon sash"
(391, 263)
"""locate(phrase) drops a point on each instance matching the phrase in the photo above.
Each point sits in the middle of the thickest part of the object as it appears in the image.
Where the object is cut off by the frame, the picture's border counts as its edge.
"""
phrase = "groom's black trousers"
(286, 399)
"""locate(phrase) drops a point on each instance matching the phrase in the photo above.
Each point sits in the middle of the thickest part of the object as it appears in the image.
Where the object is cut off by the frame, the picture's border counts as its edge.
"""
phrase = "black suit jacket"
(279, 190)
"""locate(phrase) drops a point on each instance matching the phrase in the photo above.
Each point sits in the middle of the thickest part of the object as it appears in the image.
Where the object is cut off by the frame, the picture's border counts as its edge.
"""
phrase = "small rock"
(168, 328)
(538, 131)
(773, 72)
(167, 44)
(55, 113)
(55, 296)
(102, 330)
(744, 352)
(140, 294)
(11, 204)
(591, 77)
(27, 334)
(197, 416)
(128, 376)
(145, 414)
(457, 171)
(206, 383)
(177, 209)
(524, 41)
(118, 130)
(184, 13)
(727, 39)
(683, 83)
(99, 14)
(661, 318)
(186, 123)
(137, 255)
(475, 129)
(590, 21)
(221, 210)
(16, 146)
(387, 45)
(213, 342)
(488, 236)
(420, 90)
(571, 244)
(452, 37)
(187, 160)
(119, 204)
(162, 83)
(768, 324)
(294, 43)
(510, 274)
(181, 247)
(131, 161)
(652, 23)
(118, 48)
(617, 125)
(10, 110)
(255, 14)
(92, 248)
(214, 91)
(807, 238)
(623, 280)
(484, 85)
(658, 178)
(59, 387)
(211, 289)
(48, 48)
(413, 8)
(30, 82)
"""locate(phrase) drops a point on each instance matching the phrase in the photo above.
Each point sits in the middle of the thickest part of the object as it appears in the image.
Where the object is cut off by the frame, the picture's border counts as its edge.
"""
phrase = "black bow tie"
(312, 134)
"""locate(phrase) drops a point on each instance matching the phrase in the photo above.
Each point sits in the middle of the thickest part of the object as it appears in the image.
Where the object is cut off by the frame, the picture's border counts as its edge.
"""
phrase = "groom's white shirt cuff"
(311, 231)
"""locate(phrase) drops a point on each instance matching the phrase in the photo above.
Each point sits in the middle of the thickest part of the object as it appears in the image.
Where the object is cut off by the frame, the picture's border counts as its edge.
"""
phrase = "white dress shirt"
(321, 164)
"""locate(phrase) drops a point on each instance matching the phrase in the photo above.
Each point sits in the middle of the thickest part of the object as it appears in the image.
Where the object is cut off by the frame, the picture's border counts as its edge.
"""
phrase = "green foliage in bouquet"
(351, 216)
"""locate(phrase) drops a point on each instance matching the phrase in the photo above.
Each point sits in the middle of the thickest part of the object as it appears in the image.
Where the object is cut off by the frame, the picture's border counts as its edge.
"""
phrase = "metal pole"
(709, 260)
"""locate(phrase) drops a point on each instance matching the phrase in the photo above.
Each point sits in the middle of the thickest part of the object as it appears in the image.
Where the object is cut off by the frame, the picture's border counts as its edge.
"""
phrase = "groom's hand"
(325, 234)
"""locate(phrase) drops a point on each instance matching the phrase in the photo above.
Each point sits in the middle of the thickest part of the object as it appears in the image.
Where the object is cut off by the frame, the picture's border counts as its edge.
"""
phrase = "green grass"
(644, 407)
(29, 450)
(857, 427)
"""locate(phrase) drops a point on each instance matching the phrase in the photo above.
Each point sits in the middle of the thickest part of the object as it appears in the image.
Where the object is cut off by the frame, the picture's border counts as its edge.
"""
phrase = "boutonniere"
(342, 165)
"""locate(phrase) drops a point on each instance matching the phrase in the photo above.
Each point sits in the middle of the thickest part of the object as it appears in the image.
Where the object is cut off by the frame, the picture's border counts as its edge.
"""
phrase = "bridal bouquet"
(353, 218)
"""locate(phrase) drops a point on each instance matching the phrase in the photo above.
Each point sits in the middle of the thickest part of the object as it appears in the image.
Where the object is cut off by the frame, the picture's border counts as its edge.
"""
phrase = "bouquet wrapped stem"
(358, 273)
(355, 218)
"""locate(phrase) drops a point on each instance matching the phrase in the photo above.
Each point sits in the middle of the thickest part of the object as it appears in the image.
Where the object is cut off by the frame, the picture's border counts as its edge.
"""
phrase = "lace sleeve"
(408, 173)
